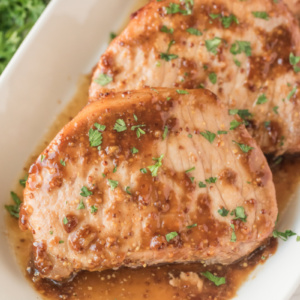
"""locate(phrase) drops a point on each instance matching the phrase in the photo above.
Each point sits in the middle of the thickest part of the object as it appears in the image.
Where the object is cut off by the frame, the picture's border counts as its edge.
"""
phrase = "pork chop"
(148, 177)
(294, 6)
(243, 51)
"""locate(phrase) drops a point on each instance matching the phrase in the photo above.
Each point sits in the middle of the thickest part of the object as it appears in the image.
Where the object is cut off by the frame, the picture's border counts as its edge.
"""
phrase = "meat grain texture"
(168, 183)
(294, 6)
(243, 51)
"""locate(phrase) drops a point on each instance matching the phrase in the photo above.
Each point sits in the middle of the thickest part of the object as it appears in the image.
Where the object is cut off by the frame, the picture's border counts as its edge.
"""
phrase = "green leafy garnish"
(261, 15)
(143, 170)
(138, 129)
(61, 242)
(234, 124)
(243, 147)
(242, 113)
(226, 21)
(239, 213)
(170, 236)
(165, 132)
(100, 127)
(62, 162)
(211, 180)
(190, 170)
(95, 138)
(65, 221)
(23, 181)
(215, 279)
(261, 99)
(233, 235)
(166, 55)
(294, 60)
(209, 136)
(113, 183)
(43, 157)
(237, 62)
(94, 209)
(103, 79)
(85, 192)
(14, 209)
(167, 30)
(175, 8)
(134, 150)
(241, 46)
(120, 125)
(213, 77)
(112, 36)
(291, 93)
(275, 110)
(81, 205)
(154, 168)
(191, 226)
(182, 92)
(194, 31)
(201, 184)
(222, 132)
(223, 212)
(283, 235)
(212, 45)
(127, 190)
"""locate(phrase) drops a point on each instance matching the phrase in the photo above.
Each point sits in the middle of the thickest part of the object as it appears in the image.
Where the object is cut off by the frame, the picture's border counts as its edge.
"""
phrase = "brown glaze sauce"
(150, 282)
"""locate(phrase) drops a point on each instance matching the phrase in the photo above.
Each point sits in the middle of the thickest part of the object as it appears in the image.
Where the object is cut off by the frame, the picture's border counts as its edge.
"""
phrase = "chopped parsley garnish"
(103, 79)
(166, 55)
(191, 169)
(234, 124)
(194, 31)
(175, 8)
(113, 183)
(100, 127)
(143, 170)
(115, 169)
(165, 132)
(237, 62)
(103, 175)
(209, 136)
(191, 226)
(201, 184)
(261, 99)
(61, 242)
(167, 30)
(43, 157)
(275, 110)
(223, 212)
(14, 209)
(267, 124)
(212, 45)
(127, 190)
(243, 147)
(226, 21)
(190, 135)
(154, 168)
(298, 238)
(62, 162)
(215, 279)
(65, 221)
(241, 46)
(283, 235)
(51, 232)
(182, 92)
(134, 150)
(135, 117)
(294, 60)
(213, 77)
(222, 132)
(211, 180)
(81, 205)
(94, 209)
(95, 138)
(85, 192)
(233, 235)
(242, 113)
(261, 15)
(291, 93)
(120, 125)
(112, 35)
(23, 181)
(139, 130)
(239, 213)
(168, 98)
(170, 236)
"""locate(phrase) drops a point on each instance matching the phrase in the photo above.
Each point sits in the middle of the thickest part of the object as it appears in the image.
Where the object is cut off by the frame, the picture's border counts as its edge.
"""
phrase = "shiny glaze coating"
(120, 226)
(133, 60)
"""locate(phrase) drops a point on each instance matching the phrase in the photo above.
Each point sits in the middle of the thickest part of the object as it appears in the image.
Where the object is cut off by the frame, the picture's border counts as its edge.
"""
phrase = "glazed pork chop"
(148, 177)
(294, 6)
(243, 51)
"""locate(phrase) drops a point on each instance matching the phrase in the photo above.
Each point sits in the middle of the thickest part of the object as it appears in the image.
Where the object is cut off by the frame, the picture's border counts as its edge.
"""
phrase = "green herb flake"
(239, 213)
(291, 93)
(261, 15)
(242, 113)
(219, 132)
(139, 130)
(233, 235)
(227, 21)
(243, 147)
(115, 169)
(143, 171)
(190, 170)
(211, 180)
(167, 30)
(235, 124)
(170, 236)
(95, 138)
(94, 209)
(62, 162)
(103, 79)
(85, 192)
(275, 110)
(154, 168)
(237, 62)
(213, 77)
(261, 99)
(120, 125)
(182, 92)
(51, 232)
(168, 57)
(213, 44)
(113, 183)
(134, 150)
(14, 209)
(223, 212)
(43, 157)
(283, 235)
(191, 226)
(190, 136)
(201, 184)
(298, 238)
(215, 279)
(165, 132)
(65, 221)
(81, 205)
(239, 47)
(209, 136)
(100, 127)
(127, 190)
(24, 180)
(61, 242)
(194, 31)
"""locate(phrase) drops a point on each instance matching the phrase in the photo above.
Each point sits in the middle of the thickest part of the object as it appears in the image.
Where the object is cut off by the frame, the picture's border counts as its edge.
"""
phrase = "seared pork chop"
(148, 177)
(294, 6)
(243, 51)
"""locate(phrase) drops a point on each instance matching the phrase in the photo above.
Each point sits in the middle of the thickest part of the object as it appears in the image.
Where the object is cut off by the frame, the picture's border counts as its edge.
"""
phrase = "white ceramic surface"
(65, 43)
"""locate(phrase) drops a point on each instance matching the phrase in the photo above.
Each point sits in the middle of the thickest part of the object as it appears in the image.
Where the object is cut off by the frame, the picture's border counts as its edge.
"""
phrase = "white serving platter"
(65, 43)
